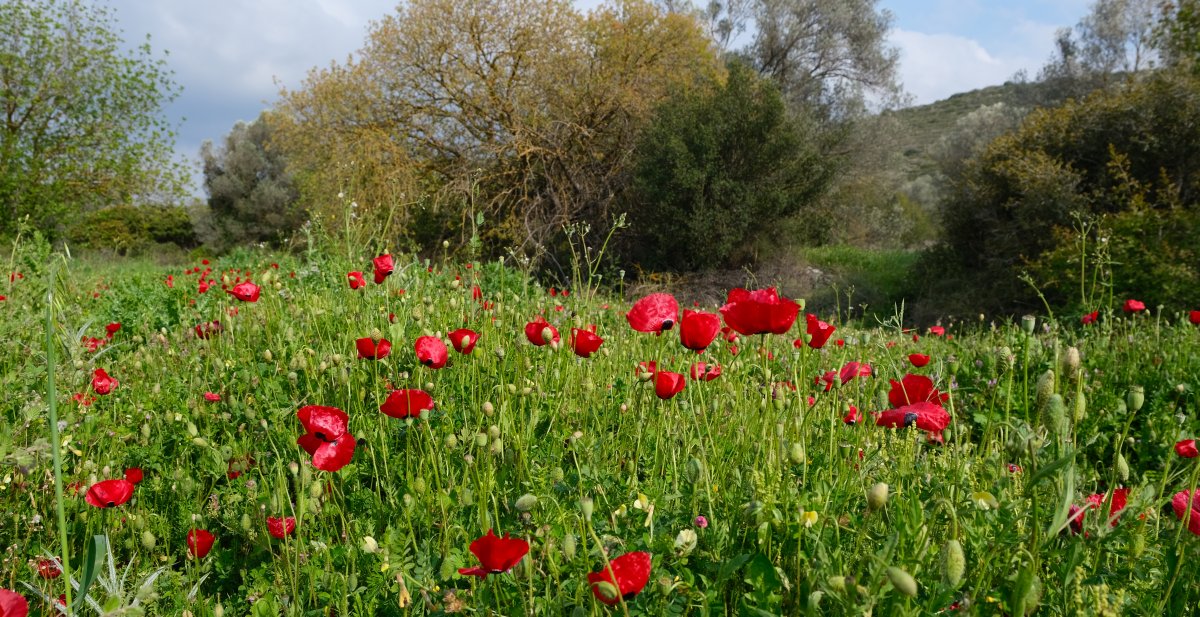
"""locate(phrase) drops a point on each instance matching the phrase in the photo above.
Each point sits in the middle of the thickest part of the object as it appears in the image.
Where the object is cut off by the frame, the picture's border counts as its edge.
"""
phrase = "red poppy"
(170, 281)
(698, 329)
(706, 372)
(109, 493)
(1013, 468)
(1090, 318)
(406, 403)
(281, 527)
(1133, 306)
(206, 330)
(668, 384)
(818, 332)
(914, 389)
(3, 298)
(92, 343)
(925, 415)
(371, 349)
(212, 397)
(762, 311)
(327, 438)
(628, 576)
(134, 475)
(101, 383)
(203, 286)
(1194, 317)
(852, 416)
(729, 334)
(48, 568)
(199, 542)
(535, 331)
(647, 369)
(238, 464)
(384, 266)
(356, 280)
(854, 369)
(464, 340)
(584, 342)
(1119, 498)
(937, 330)
(1188, 502)
(13, 604)
(495, 554)
(246, 291)
(1187, 448)
(476, 293)
(83, 399)
(918, 359)
(112, 329)
(431, 351)
(653, 313)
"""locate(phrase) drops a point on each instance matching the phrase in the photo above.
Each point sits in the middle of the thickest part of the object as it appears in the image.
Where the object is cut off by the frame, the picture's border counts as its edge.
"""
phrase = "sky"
(232, 56)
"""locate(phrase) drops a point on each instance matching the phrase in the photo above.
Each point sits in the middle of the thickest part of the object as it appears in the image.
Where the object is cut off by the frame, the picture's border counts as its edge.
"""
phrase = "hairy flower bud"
(877, 496)
(902, 581)
(1045, 387)
(954, 563)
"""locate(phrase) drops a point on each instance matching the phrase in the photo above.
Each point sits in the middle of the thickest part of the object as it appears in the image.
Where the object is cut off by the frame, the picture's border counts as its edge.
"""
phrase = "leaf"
(91, 568)
(731, 566)
(1064, 506)
(1047, 471)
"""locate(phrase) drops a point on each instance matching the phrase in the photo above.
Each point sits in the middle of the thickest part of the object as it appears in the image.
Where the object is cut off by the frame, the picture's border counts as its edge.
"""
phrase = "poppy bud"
(587, 506)
(1135, 397)
(1138, 546)
(419, 485)
(218, 610)
(493, 431)
(1071, 363)
(1028, 322)
(481, 440)
(1045, 387)
(191, 429)
(314, 490)
(557, 475)
(488, 408)
(294, 467)
(1122, 468)
(837, 583)
(954, 563)
(694, 472)
(148, 540)
(266, 354)
(877, 497)
(525, 502)
(245, 522)
(902, 581)
(200, 441)
(606, 592)
(1079, 409)
(568, 546)
(451, 441)
(146, 430)
(796, 453)
(466, 497)
(497, 447)
(1054, 415)
(1007, 359)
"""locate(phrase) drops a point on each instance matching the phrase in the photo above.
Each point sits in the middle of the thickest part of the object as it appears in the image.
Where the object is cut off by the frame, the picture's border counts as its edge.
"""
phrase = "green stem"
(56, 445)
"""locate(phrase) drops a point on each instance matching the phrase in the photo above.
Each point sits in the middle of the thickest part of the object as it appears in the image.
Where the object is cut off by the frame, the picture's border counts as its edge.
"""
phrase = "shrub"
(125, 229)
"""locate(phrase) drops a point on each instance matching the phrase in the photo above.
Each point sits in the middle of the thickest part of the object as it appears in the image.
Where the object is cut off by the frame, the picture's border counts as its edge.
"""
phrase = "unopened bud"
(1071, 363)
(954, 563)
(488, 408)
(525, 502)
(568, 546)
(796, 453)
(1122, 468)
(267, 355)
(877, 497)
(1045, 387)
(587, 506)
(1079, 409)
(902, 581)
(497, 447)
(148, 540)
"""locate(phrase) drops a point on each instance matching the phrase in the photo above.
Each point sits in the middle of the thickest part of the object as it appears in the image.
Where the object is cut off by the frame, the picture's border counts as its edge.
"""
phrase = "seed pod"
(796, 453)
(877, 496)
(902, 581)
(1135, 397)
(954, 563)
(1028, 323)
(148, 540)
(587, 506)
(568, 546)
(1079, 409)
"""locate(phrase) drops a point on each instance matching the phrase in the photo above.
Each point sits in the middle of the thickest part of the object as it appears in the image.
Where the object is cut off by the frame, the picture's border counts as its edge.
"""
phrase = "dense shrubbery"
(129, 228)
(1115, 172)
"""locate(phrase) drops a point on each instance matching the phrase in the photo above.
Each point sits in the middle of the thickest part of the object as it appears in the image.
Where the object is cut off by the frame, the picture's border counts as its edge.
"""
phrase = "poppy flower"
(628, 576)
(654, 313)
(406, 403)
(647, 369)
(1187, 448)
(584, 342)
(706, 372)
(535, 331)
(112, 329)
(245, 291)
(356, 280)
(83, 399)
(1075, 518)
(48, 568)
(431, 351)
(212, 397)
(1119, 498)
(102, 384)
(92, 343)
(1133, 306)
(697, 329)
(205, 330)
(384, 266)
(848, 371)
(918, 359)
(464, 340)
(914, 389)
(238, 464)
(281, 527)
(199, 542)
(203, 286)
(326, 438)
(1194, 317)
(1188, 502)
(923, 414)
(818, 331)
(170, 281)
(495, 554)
(476, 293)
(109, 493)
(13, 604)
(729, 334)
(852, 416)
(1090, 318)
(762, 311)
(134, 475)
(3, 298)
(371, 349)
(668, 384)
(937, 330)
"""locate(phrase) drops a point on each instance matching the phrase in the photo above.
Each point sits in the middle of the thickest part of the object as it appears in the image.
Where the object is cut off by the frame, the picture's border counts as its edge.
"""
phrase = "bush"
(126, 229)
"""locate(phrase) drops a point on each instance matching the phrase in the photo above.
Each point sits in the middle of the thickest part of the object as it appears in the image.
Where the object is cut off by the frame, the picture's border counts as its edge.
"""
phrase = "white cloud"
(935, 66)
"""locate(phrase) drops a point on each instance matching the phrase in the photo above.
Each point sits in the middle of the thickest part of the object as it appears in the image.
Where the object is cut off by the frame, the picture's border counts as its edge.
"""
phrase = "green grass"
(522, 435)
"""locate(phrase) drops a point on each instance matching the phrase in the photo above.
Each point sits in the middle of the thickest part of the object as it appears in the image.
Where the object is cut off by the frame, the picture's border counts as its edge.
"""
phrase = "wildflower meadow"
(381, 435)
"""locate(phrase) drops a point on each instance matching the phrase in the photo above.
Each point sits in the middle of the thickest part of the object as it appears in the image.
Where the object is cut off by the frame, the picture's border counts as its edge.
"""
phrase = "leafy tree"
(1116, 36)
(718, 170)
(80, 123)
(251, 195)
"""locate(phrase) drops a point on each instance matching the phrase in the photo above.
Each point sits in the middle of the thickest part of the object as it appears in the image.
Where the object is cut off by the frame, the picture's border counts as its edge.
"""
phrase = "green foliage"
(251, 195)
(130, 228)
(718, 170)
(83, 126)
(1124, 158)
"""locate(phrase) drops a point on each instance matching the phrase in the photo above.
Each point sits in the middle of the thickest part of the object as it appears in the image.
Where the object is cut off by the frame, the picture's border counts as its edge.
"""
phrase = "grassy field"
(1041, 476)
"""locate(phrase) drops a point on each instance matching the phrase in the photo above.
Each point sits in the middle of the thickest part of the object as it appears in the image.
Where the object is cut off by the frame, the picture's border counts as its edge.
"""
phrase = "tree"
(251, 196)
(1116, 36)
(80, 123)
(718, 170)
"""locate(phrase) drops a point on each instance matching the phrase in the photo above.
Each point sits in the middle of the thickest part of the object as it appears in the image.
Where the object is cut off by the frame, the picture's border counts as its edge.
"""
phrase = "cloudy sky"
(231, 56)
